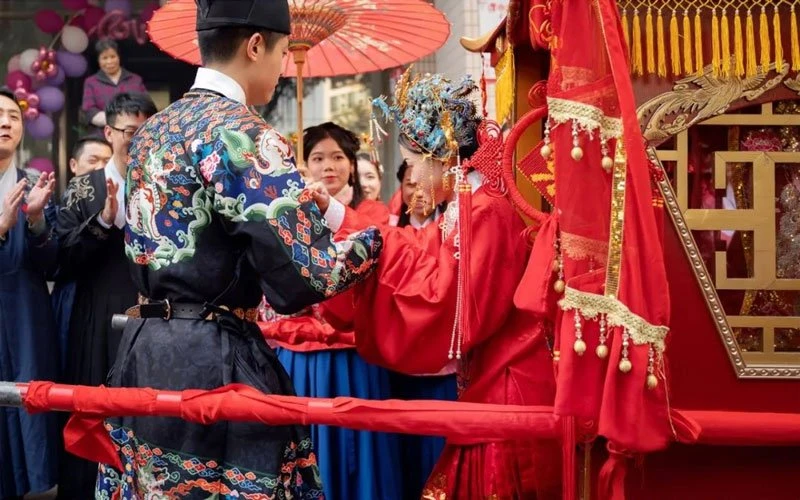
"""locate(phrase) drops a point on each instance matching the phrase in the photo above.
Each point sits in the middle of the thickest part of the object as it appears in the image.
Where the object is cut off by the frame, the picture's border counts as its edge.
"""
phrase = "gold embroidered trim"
(582, 248)
(592, 305)
(589, 118)
(617, 220)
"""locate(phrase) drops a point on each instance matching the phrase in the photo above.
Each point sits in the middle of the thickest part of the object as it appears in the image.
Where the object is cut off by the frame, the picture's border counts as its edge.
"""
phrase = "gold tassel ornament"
(637, 65)
(626, 31)
(777, 34)
(715, 60)
(674, 45)
(752, 65)
(661, 58)
(649, 38)
(698, 43)
(763, 33)
(795, 42)
(725, 42)
(687, 44)
(738, 45)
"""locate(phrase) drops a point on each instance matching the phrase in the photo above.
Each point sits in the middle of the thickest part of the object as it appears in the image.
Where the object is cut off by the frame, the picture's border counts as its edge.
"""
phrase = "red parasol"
(329, 37)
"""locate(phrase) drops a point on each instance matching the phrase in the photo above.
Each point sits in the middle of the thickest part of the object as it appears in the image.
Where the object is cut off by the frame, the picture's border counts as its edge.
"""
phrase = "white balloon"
(74, 39)
(26, 60)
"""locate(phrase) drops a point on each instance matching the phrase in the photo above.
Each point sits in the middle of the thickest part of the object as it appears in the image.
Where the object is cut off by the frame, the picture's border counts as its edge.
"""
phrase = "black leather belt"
(181, 310)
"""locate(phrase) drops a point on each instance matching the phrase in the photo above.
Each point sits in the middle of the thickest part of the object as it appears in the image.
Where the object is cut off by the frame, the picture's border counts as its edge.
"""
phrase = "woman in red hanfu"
(322, 361)
(406, 316)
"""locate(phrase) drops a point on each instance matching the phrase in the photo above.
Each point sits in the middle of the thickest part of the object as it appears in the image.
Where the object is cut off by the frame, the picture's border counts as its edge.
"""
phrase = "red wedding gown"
(403, 318)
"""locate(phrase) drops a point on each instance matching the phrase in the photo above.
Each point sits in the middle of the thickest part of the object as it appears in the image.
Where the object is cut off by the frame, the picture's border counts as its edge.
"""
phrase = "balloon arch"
(37, 75)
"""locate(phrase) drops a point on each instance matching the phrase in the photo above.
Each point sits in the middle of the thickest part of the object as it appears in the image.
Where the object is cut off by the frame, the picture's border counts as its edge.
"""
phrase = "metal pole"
(10, 395)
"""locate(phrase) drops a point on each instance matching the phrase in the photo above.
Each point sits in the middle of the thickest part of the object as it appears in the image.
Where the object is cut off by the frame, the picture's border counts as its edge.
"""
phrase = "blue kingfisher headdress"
(433, 113)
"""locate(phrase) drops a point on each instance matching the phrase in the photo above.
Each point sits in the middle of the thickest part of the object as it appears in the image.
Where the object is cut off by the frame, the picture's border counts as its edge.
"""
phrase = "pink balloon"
(79, 21)
(18, 79)
(48, 21)
(43, 165)
(92, 17)
(75, 4)
(41, 128)
(13, 64)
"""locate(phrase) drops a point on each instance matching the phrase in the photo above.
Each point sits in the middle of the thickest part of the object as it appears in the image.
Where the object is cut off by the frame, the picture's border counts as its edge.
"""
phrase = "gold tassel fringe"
(764, 40)
(778, 37)
(795, 42)
(715, 61)
(687, 44)
(738, 45)
(662, 51)
(747, 55)
(626, 31)
(649, 39)
(637, 65)
(698, 44)
(725, 33)
(750, 38)
(674, 45)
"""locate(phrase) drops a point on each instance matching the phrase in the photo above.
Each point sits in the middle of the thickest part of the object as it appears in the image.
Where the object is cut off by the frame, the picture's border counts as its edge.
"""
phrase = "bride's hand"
(320, 195)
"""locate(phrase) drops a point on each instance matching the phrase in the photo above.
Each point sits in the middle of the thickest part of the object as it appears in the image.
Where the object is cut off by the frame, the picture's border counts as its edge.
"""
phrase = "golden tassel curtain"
(726, 39)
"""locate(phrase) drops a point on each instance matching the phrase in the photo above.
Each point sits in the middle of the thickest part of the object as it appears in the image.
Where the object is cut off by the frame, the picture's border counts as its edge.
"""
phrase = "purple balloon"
(123, 6)
(57, 80)
(74, 65)
(43, 165)
(51, 99)
(41, 128)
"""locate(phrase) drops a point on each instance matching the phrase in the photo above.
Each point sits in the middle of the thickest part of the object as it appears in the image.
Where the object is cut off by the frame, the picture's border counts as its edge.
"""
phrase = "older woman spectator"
(110, 80)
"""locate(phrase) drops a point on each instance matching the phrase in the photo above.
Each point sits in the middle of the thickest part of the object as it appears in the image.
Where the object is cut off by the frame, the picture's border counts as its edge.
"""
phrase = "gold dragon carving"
(695, 99)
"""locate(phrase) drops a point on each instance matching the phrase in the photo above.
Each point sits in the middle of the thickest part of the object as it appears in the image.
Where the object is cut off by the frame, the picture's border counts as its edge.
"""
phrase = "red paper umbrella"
(329, 37)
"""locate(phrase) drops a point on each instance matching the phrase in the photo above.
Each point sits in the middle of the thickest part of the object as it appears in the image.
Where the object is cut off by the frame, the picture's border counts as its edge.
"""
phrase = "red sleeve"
(373, 211)
(368, 213)
(406, 310)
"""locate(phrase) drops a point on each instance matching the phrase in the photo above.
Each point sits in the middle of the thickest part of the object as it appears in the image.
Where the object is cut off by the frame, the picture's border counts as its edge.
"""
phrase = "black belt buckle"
(161, 309)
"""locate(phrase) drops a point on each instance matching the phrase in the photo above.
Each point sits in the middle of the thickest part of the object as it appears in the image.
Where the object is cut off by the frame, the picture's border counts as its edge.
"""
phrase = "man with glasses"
(90, 228)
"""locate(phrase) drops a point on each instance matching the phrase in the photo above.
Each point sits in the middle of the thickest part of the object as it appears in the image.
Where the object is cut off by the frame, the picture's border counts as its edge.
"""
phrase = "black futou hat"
(270, 15)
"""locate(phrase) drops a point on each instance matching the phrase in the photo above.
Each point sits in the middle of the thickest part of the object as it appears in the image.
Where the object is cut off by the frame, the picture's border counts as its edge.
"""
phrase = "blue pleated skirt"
(355, 465)
(419, 454)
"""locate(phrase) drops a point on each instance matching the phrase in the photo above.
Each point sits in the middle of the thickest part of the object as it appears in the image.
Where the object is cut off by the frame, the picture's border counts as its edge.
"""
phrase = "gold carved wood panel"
(727, 195)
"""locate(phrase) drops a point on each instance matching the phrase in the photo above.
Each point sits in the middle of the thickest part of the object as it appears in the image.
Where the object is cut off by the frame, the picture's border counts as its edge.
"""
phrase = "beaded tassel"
(652, 380)
(602, 348)
(625, 364)
(580, 345)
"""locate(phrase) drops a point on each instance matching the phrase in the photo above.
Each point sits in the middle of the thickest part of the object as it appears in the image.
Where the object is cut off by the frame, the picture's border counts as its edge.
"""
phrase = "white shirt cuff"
(335, 214)
(102, 222)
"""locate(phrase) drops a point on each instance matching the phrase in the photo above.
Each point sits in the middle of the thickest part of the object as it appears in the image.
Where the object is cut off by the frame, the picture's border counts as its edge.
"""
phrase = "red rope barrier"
(461, 422)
